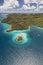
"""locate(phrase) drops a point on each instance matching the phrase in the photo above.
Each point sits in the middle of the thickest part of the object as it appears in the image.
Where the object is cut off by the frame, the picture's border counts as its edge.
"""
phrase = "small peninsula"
(23, 21)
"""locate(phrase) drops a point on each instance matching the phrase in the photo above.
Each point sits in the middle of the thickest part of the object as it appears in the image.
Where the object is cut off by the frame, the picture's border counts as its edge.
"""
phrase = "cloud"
(40, 7)
(30, 1)
(26, 1)
(34, 1)
(26, 7)
(14, 2)
(9, 4)
(41, 2)
(33, 7)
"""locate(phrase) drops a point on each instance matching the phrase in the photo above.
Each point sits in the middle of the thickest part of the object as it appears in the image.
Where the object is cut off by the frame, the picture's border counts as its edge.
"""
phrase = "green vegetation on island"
(23, 21)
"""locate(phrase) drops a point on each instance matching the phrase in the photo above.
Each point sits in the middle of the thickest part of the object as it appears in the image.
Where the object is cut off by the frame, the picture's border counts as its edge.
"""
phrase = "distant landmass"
(23, 21)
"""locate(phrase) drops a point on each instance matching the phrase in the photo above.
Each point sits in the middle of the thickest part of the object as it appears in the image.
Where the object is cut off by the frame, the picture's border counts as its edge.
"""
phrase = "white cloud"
(33, 7)
(28, 5)
(34, 1)
(16, 3)
(12, 4)
(26, 1)
(41, 2)
(9, 4)
(30, 1)
(40, 6)
(25, 7)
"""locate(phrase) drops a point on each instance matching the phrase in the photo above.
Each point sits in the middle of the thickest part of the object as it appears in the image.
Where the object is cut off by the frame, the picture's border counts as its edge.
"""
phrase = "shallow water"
(28, 52)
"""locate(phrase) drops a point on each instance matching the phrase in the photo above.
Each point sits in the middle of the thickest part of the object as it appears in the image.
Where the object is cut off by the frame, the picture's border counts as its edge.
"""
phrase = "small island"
(19, 39)
(23, 21)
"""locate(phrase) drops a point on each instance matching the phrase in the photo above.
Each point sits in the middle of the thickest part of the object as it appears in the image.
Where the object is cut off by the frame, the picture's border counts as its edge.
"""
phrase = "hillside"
(23, 21)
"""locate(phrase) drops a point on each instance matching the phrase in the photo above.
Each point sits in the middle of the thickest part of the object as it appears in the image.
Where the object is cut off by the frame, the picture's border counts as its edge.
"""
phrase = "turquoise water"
(14, 34)
(27, 52)
(32, 36)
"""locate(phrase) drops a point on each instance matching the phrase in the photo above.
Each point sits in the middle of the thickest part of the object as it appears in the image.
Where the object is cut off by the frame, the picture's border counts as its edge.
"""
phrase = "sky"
(21, 5)
(1, 2)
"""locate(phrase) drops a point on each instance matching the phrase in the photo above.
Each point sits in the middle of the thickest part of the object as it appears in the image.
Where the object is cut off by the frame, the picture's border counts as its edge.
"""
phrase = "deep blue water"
(27, 52)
